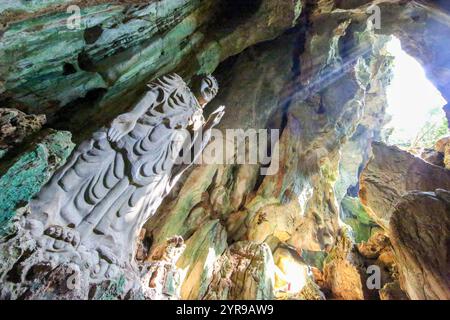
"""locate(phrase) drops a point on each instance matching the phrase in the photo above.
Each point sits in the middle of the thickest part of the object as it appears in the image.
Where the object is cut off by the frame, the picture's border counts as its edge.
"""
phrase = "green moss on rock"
(357, 218)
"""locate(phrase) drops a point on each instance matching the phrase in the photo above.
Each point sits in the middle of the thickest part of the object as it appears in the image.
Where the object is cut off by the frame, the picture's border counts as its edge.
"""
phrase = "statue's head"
(205, 89)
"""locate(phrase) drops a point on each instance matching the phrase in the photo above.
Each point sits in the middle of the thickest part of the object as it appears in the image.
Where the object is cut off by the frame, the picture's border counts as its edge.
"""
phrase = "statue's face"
(209, 88)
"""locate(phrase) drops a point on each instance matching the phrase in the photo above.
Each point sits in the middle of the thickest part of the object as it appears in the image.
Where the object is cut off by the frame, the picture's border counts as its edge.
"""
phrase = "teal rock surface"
(28, 172)
(118, 47)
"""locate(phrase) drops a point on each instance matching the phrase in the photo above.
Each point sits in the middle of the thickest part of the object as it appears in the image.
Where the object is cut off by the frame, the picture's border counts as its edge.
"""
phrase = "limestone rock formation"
(375, 247)
(432, 156)
(420, 231)
(359, 272)
(244, 272)
(115, 48)
(15, 126)
(343, 274)
(378, 255)
(178, 219)
(443, 147)
(390, 174)
(355, 215)
(203, 249)
(399, 189)
(265, 218)
(392, 291)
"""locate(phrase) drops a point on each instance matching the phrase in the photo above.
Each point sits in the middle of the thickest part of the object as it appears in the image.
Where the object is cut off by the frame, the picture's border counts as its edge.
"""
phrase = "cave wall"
(119, 47)
(316, 70)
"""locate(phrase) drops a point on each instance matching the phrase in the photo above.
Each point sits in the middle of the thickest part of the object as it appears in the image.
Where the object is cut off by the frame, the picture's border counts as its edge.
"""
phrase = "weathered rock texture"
(391, 173)
(443, 147)
(399, 189)
(197, 263)
(378, 253)
(343, 274)
(245, 271)
(325, 128)
(15, 126)
(392, 291)
(355, 215)
(364, 271)
(120, 46)
(420, 233)
(22, 176)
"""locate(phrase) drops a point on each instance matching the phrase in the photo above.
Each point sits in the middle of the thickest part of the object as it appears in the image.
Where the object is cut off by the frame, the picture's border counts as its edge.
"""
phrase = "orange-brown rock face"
(343, 275)
(399, 191)
(392, 172)
(392, 291)
(420, 234)
(378, 252)
(443, 147)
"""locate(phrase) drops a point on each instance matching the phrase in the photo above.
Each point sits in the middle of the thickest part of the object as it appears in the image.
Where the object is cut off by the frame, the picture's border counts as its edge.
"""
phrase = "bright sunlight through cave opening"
(414, 104)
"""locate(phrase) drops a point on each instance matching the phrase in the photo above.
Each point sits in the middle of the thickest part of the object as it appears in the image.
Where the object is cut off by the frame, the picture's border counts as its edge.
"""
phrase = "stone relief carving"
(160, 278)
(94, 207)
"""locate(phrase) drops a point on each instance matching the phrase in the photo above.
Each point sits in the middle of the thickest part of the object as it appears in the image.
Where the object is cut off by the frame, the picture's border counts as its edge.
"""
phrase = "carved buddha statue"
(115, 181)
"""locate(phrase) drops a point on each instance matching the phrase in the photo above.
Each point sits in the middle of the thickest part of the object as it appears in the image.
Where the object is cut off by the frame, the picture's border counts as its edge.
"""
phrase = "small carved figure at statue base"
(161, 279)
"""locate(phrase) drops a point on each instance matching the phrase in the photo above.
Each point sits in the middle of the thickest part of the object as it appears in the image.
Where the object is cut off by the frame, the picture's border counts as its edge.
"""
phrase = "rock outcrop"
(23, 175)
(197, 263)
(420, 233)
(343, 274)
(443, 148)
(244, 272)
(391, 173)
(115, 48)
(15, 126)
(302, 212)
(354, 214)
(399, 189)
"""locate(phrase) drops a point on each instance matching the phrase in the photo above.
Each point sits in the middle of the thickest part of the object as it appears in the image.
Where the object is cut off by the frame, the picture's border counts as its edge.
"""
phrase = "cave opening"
(414, 121)
(414, 104)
